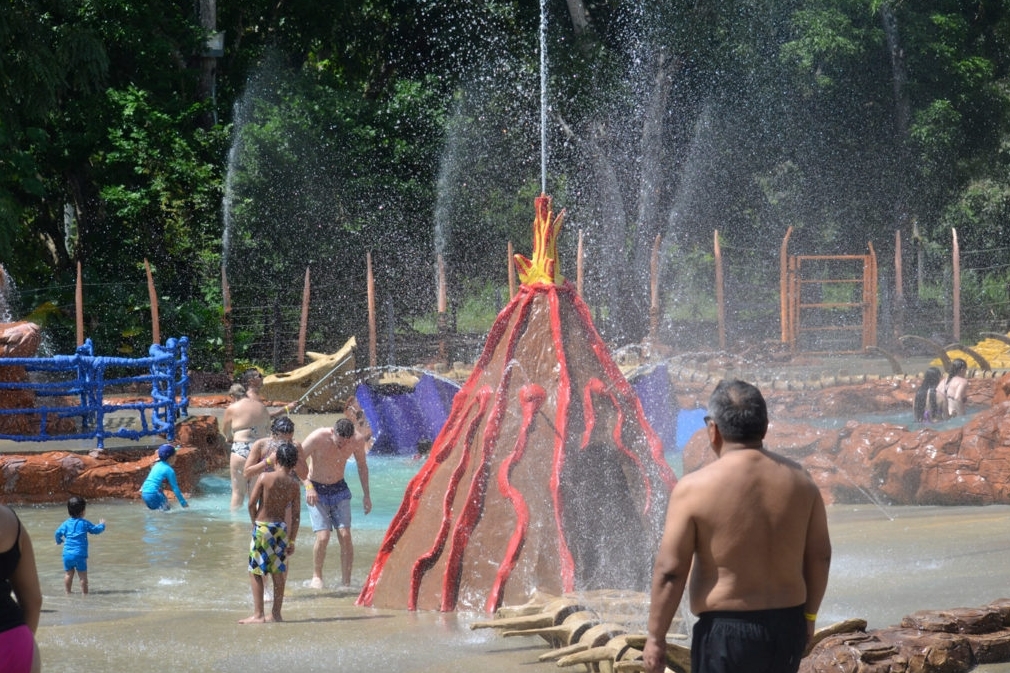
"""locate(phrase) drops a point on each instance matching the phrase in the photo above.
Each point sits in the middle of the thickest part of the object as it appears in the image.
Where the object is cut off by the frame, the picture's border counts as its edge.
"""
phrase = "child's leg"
(257, 593)
(68, 580)
(280, 579)
(84, 581)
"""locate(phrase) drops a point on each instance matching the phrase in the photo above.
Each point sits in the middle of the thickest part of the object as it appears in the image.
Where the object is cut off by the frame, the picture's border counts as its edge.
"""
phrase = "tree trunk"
(649, 222)
(580, 17)
(903, 198)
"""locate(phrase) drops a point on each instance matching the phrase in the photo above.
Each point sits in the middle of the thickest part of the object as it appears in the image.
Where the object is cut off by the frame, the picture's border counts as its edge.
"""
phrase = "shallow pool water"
(169, 588)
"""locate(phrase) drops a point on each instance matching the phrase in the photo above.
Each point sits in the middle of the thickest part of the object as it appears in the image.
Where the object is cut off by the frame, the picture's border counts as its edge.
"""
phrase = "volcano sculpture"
(546, 474)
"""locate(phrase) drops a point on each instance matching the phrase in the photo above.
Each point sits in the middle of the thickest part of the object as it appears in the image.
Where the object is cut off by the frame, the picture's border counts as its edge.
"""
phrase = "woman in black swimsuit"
(20, 597)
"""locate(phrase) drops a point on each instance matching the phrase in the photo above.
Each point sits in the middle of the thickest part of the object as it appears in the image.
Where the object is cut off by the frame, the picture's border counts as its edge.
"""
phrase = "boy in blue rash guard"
(75, 531)
(160, 471)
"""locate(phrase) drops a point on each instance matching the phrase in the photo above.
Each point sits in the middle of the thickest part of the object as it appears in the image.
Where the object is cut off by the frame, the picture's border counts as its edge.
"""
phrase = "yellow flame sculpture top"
(544, 267)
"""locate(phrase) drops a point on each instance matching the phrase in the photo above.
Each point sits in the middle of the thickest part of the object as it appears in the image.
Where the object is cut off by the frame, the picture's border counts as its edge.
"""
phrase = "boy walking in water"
(275, 510)
(75, 531)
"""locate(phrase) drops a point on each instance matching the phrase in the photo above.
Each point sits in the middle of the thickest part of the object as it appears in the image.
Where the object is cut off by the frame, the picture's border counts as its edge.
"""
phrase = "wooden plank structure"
(819, 315)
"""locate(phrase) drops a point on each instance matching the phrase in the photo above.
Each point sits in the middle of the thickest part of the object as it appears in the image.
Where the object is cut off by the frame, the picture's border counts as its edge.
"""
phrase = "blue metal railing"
(166, 370)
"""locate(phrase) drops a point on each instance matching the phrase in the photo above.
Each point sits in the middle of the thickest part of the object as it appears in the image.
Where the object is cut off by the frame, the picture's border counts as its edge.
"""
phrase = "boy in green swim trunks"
(275, 510)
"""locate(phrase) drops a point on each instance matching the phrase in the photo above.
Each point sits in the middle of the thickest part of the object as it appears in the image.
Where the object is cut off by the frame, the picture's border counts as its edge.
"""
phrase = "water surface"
(168, 589)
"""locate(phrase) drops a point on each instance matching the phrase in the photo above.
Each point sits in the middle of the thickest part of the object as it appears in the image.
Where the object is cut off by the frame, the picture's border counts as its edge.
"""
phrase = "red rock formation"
(546, 475)
(929, 641)
(56, 475)
(897, 464)
(21, 340)
(1002, 389)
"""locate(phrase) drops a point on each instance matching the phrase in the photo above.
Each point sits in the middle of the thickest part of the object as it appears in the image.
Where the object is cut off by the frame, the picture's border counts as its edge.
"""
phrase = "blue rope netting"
(165, 370)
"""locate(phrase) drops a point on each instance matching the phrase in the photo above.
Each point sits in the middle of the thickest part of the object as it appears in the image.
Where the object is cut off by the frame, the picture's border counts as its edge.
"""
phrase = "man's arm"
(669, 577)
(816, 561)
(361, 458)
(308, 448)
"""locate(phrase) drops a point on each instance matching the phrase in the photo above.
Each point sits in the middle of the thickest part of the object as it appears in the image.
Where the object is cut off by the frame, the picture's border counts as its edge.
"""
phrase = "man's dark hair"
(287, 455)
(739, 411)
(75, 506)
(282, 425)
(344, 428)
(248, 375)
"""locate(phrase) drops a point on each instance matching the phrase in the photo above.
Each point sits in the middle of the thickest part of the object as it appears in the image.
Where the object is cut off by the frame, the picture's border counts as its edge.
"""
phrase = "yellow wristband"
(269, 461)
(810, 616)
(309, 487)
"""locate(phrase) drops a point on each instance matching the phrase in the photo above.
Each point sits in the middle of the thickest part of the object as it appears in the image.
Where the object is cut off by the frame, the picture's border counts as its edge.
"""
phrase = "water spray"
(543, 96)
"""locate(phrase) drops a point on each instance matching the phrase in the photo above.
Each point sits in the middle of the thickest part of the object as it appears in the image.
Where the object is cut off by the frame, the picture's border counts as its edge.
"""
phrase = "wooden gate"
(829, 302)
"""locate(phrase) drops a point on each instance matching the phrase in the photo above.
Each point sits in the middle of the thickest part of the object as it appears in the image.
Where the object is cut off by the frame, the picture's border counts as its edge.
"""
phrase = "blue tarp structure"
(689, 421)
(659, 404)
(402, 419)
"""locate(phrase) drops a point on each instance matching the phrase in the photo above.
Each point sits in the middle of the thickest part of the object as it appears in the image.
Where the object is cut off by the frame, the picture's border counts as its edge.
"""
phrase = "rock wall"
(56, 475)
(897, 464)
(929, 641)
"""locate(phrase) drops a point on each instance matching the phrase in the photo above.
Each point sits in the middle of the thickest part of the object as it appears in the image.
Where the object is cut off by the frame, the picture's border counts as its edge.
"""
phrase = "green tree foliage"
(408, 127)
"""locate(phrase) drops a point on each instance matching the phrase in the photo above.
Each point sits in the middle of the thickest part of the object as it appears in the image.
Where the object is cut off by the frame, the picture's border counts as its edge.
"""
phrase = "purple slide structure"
(402, 419)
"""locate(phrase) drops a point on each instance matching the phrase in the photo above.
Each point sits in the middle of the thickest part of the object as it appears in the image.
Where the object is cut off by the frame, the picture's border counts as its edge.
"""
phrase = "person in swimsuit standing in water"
(245, 420)
(326, 452)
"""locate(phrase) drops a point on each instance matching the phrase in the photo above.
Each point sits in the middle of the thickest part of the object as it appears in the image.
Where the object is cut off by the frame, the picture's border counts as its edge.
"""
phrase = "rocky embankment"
(898, 464)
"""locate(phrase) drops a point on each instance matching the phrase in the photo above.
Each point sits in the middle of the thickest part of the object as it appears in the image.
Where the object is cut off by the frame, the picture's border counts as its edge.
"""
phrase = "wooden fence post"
(79, 304)
(373, 351)
(153, 295)
(957, 286)
(303, 324)
(720, 296)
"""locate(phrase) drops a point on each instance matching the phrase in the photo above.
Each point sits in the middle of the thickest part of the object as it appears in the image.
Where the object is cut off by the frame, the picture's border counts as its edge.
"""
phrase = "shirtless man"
(326, 452)
(751, 530)
(245, 420)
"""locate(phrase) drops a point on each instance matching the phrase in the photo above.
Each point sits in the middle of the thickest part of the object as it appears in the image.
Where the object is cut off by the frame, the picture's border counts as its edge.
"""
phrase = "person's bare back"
(749, 534)
(275, 512)
(279, 497)
(245, 420)
(750, 547)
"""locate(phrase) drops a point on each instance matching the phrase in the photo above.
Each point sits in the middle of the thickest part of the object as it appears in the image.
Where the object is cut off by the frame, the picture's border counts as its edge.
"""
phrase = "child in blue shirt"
(160, 471)
(75, 531)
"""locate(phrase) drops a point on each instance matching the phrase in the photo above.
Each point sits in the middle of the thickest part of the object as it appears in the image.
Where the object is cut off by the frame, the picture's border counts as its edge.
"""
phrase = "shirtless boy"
(326, 452)
(245, 419)
(275, 510)
(751, 530)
